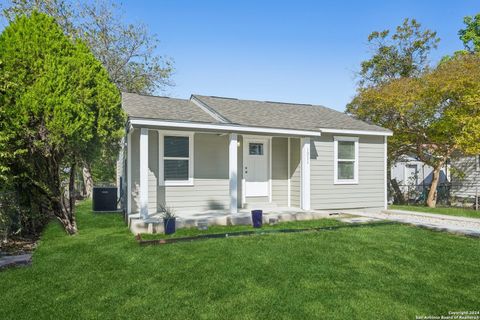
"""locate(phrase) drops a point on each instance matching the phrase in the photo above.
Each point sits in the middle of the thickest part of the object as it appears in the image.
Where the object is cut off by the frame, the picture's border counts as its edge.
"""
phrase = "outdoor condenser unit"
(104, 198)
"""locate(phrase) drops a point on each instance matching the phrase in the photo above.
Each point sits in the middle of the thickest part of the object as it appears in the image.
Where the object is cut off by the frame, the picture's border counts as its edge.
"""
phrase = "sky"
(291, 51)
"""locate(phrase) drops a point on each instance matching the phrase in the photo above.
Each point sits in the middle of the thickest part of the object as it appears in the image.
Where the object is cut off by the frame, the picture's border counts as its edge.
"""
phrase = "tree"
(61, 110)
(470, 36)
(403, 54)
(432, 116)
(127, 51)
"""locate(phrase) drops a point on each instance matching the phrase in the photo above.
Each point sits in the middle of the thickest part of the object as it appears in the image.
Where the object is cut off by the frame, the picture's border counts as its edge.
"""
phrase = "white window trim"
(335, 164)
(161, 158)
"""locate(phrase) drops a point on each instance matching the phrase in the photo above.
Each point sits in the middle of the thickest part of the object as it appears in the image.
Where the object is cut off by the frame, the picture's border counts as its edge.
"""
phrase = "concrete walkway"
(10, 261)
(453, 224)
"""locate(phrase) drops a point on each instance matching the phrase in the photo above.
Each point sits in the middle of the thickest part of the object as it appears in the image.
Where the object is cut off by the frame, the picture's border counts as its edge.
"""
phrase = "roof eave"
(386, 133)
(223, 127)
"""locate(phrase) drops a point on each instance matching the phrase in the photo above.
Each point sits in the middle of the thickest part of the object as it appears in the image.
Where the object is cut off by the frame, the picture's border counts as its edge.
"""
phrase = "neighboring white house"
(466, 182)
(415, 177)
(221, 155)
(411, 171)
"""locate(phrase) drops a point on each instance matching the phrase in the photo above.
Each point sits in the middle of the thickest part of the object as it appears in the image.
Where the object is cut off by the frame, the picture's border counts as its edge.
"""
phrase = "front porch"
(217, 178)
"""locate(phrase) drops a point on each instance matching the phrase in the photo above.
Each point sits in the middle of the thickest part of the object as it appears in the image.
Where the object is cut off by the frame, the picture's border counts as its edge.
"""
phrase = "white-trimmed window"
(175, 158)
(346, 160)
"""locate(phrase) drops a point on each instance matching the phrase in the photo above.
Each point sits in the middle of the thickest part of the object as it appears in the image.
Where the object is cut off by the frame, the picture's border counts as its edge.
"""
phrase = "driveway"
(453, 224)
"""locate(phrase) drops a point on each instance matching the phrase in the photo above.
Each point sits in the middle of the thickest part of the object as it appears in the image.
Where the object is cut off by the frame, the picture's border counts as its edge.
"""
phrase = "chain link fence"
(447, 194)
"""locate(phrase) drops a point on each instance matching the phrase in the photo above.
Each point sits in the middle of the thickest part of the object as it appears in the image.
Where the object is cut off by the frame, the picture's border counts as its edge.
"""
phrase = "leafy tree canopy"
(470, 36)
(401, 54)
(60, 109)
(127, 51)
(433, 112)
(432, 116)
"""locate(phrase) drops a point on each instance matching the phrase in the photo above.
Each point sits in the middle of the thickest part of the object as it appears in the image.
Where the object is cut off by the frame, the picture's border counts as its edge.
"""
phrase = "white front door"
(255, 167)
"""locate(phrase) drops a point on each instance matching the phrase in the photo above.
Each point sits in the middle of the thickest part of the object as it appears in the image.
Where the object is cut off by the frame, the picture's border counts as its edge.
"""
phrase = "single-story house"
(223, 155)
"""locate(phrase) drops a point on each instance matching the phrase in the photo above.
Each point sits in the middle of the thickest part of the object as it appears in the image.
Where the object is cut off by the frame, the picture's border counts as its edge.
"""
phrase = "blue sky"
(296, 51)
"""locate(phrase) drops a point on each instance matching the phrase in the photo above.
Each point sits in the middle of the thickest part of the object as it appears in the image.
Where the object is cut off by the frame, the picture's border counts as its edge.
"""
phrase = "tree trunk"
(62, 213)
(63, 208)
(399, 198)
(71, 191)
(432, 194)
(87, 180)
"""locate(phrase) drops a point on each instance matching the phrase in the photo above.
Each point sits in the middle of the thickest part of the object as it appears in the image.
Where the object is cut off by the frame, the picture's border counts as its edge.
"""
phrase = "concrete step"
(138, 225)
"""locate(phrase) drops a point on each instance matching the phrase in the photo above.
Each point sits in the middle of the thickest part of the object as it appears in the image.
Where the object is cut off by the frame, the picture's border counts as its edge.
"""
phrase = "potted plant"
(168, 220)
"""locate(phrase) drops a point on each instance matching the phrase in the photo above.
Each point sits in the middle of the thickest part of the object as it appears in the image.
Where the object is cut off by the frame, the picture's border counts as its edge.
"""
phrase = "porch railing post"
(232, 168)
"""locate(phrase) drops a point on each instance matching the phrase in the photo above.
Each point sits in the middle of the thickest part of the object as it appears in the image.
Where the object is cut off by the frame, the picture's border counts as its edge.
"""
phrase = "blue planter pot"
(169, 225)
(257, 218)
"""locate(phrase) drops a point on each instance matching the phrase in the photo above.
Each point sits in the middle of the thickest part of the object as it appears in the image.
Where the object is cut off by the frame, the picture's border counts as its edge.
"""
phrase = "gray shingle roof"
(283, 115)
(151, 107)
(242, 112)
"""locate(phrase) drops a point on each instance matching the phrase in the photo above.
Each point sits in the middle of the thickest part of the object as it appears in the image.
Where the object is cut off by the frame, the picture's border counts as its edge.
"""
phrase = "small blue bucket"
(257, 218)
(169, 225)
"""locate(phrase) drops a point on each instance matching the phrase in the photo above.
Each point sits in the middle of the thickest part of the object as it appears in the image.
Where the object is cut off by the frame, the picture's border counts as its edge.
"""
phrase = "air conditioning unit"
(104, 199)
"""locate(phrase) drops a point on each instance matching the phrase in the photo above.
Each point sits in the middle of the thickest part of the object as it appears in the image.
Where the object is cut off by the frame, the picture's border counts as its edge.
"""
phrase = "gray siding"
(135, 158)
(295, 172)
(467, 181)
(211, 180)
(211, 183)
(280, 171)
(370, 190)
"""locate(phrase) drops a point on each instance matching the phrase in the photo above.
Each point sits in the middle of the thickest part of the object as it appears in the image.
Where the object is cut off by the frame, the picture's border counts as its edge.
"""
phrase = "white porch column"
(129, 171)
(144, 173)
(385, 184)
(305, 173)
(289, 183)
(232, 169)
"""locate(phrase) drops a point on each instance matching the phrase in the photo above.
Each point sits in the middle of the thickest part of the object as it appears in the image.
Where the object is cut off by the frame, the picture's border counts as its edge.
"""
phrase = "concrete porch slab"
(154, 223)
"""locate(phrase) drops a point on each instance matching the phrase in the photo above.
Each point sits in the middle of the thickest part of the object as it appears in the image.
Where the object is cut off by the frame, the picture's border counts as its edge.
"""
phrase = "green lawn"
(381, 272)
(440, 210)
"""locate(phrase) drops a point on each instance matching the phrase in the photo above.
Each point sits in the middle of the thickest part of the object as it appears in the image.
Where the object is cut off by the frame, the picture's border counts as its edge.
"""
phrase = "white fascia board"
(222, 127)
(359, 132)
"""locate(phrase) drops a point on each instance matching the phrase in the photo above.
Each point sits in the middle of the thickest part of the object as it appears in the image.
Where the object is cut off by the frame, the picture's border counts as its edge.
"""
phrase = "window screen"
(176, 146)
(176, 158)
(346, 161)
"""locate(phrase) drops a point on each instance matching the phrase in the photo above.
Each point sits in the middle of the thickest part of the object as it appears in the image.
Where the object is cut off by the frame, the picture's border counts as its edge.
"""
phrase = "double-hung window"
(346, 160)
(176, 159)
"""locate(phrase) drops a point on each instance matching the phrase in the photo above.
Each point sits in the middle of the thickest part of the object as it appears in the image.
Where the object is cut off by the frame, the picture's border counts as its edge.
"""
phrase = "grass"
(389, 271)
(461, 212)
